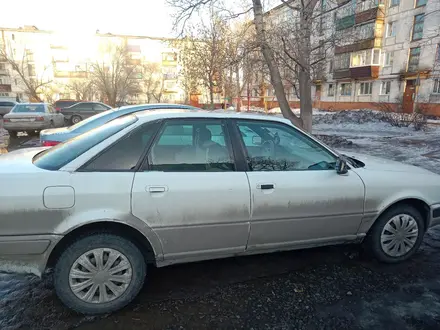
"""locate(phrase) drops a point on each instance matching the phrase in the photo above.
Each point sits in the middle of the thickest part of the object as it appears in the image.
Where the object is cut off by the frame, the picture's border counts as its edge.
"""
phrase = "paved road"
(325, 288)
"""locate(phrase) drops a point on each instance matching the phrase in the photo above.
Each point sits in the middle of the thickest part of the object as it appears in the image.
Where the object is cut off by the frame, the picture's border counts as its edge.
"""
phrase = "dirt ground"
(324, 288)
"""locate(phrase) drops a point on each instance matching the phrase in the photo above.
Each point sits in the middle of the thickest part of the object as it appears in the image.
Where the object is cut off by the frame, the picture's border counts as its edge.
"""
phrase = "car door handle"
(266, 186)
(156, 189)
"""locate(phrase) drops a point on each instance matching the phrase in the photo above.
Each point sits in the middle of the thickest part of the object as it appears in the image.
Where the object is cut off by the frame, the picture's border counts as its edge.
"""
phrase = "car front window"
(56, 157)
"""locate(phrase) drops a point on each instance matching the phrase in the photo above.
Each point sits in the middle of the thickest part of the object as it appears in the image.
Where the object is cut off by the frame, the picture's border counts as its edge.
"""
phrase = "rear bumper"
(435, 215)
(26, 254)
(25, 126)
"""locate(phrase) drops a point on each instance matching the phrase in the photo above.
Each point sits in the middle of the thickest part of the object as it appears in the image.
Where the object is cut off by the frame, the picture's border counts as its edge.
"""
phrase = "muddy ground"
(325, 288)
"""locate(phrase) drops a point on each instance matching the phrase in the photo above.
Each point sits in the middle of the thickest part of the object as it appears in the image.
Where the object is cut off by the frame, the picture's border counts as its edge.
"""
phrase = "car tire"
(51, 125)
(401, 224)
(75, 119)
(13, 134)
(88, 247)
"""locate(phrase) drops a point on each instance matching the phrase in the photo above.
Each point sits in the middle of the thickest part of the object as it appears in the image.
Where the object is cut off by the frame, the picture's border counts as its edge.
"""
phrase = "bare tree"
(33, 83)
(153, 80)
(82, 88)
(117, 78)
(306, 54)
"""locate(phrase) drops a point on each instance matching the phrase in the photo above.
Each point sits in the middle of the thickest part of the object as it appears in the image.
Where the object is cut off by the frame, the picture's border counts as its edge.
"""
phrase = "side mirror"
(341, 166)
(257, 140)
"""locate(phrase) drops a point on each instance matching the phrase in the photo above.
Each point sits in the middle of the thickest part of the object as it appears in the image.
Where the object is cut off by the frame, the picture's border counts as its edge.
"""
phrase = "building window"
(331, 90)
(418, 27)
(394, 3)
(414, 56)
(437, 56)
(1, 81)
(345, 89)
(365, 57)
(4, 94)
(366, 88)
(389, 59)
(436, 86)
(342, 61)
(13, 36)
(385, 87)
(420, 3)
(2, 66)
(391, 29)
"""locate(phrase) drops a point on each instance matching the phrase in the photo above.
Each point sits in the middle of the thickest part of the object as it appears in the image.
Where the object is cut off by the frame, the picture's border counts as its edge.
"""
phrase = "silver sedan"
(32, 118)
(156, 188)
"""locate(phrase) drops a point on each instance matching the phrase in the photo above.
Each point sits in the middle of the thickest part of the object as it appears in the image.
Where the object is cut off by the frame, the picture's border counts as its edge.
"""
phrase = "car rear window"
(6, 104)
(56, 157)
(28, 108)
(64, 104)
(94, 121)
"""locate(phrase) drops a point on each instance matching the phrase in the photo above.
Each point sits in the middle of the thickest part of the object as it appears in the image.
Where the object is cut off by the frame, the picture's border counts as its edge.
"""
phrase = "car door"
(297, 196)
(56, 117)
(98, 108)
(87, 110)
(190, 192)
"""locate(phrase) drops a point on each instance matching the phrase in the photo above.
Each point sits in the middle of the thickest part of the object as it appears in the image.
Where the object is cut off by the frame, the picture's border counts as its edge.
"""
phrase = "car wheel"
(75, 119)
(396, 235)
(100, 273)
(13, 134)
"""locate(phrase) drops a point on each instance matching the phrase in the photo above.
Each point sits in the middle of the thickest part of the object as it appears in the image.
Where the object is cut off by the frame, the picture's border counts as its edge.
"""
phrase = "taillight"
(39, 119)
(58, 109)
(50, 143)
(6, 120)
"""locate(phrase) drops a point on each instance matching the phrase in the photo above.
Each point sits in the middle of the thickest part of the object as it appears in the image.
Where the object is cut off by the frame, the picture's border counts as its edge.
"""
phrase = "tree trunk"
(238, 89)
(305, 81)
(275, 76)
(211, 95)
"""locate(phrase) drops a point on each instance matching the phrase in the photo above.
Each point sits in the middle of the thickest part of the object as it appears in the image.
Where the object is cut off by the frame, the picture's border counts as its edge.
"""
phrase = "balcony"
(345, 22)
(342, 73)
(370, 71)
(70, 74)
(5, 88)
(361, 45)
(368, 15)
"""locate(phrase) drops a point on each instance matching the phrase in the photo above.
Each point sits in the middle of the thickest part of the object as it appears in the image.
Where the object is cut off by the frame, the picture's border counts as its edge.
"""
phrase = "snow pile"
(334, 141)
(351, 117)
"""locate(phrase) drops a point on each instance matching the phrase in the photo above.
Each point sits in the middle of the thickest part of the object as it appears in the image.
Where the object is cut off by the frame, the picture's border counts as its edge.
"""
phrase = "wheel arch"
(113, 227)
(418, 203)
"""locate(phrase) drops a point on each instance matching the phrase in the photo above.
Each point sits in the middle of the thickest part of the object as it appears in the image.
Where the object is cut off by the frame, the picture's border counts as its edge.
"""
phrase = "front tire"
(100, 273)
(396, 234)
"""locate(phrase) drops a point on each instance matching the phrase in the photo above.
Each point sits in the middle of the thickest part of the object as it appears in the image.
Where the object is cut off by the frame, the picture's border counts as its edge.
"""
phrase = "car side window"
(99, 107)
(191, 146)
(124, 154)
(272, 146)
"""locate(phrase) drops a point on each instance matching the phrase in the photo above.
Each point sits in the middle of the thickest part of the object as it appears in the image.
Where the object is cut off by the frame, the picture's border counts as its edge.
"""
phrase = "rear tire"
(75, 119)
(396, 235)
(108, 290)
(51, 125)
(13, 134)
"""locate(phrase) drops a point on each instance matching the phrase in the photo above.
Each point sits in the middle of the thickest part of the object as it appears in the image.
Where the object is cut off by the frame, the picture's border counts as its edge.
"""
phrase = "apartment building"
(386, 52)
(64, 59)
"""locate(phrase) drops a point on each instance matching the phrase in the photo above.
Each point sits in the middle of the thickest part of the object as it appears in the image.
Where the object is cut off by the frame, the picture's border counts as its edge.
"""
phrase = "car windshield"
(56, 157)
(87, 121)
(28, 108)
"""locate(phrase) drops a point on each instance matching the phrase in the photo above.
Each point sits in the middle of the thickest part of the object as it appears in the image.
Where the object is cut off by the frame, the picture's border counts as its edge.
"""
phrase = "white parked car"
(165, 187)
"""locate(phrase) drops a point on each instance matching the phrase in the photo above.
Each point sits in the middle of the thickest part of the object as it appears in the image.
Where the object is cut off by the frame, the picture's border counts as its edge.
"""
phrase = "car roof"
(32, 103)
(149, 106)
(181, 113)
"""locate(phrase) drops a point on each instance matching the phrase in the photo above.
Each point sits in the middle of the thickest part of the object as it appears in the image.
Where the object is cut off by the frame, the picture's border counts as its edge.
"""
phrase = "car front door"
(57, 118)
(297, 196)
(190, 192)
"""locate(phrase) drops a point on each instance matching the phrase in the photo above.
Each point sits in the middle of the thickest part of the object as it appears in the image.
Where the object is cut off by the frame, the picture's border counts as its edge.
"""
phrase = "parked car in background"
(165, 187)
(51, 137)
(6, 106)
(31, 118)
(82, 110)
(64, 104)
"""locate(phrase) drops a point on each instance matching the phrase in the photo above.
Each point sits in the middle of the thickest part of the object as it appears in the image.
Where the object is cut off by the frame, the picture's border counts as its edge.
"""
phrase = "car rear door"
(190, 192)
(297, 196)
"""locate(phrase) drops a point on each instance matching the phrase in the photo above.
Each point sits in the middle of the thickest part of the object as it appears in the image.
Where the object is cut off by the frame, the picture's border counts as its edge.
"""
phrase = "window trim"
(418, 6)
(436, 82)
(414, 26)
(144, 166)
(154, 123)
(242, 148)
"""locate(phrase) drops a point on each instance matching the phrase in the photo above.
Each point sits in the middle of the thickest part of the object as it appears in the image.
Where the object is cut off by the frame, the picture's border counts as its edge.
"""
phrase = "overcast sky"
(142, 17)
(137, 17)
